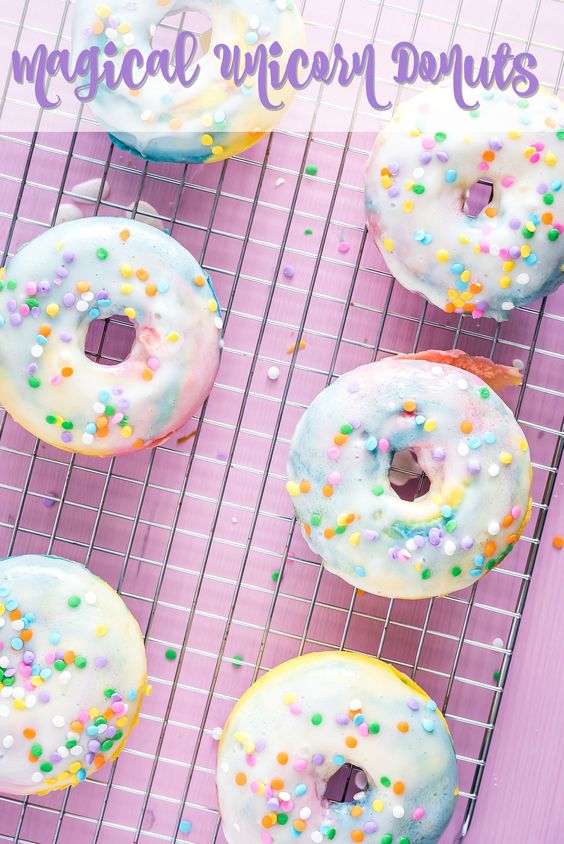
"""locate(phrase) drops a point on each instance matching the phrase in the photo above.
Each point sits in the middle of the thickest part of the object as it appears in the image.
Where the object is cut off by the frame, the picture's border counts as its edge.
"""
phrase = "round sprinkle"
(74, 601)
(171, 654)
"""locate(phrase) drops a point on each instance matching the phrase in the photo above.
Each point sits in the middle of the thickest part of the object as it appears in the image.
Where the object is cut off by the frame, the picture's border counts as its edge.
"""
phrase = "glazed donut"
(465, 439)
(301, 722)
(73, 674)
(471, 254)
(208, 121)
(97, 268)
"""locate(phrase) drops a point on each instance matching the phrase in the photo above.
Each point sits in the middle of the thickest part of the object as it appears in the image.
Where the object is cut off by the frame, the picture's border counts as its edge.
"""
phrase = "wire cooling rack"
(198, 535)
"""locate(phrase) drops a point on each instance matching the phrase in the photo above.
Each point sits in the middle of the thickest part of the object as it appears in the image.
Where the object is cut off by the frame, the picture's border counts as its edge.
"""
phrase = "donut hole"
(170, 26)
(478, 197)
(109, 341)
(346, 782)
(407, 478)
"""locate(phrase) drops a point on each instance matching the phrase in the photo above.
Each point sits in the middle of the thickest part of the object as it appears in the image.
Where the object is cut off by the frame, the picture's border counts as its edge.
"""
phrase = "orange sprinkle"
(268, 821)
(305, 486)
(97, 28)
(299, 825)
(399, 787)
(25, 635)
(357, 835)
(450, 308)
(69, 657)
(29, 733)
(83, 287)
(147, 375)
(282, 758)
(547, 218)
(558, 542)
(511, 540)
(138, 443)
(102, 422)
(466, 427)
(327, 491)
(199, 280)
(488, 155)
(403, 727)
(409, 406)
(307, 529)
(151, 290)
(476, 287)
(490, 548)
(350, 518)
(508, 520)
(99, 761)
(292, 348)
(350, 741)
(102, 432)
(142, 275)
(340, 439)
(356, 811)
(277, 784)
(468, 306)
(328, 533)
(490, 212)
(15, 615)
(67, 371)
(385, 172)
(45, 330)
(241, 778)
(77, 726)
(31, 757)
(125, 234)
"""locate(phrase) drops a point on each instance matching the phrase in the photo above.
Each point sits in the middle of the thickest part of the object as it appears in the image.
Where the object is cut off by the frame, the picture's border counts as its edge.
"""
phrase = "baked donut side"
(302, 721)
(97, 268)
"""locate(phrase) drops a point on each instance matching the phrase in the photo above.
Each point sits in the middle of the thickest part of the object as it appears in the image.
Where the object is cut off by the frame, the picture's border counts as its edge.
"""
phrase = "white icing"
(174, 358)
(427, 240)
(106, 668)
(452, 525)
(408, 757)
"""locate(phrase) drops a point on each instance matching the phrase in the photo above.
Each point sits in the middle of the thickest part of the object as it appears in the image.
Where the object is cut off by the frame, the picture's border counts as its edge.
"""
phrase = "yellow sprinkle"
(250, 748)
(388, 244)
(218, 150)
(36, 681)
(386, 182)
(550, 159)
(408, 207)
(52, 310)
(125, 234)
(2, 609)
(505, 281)
(354, 538)
(124, 28)
(59, 246)
(463, 239)
(466, 296)
(418, 566)
(430, 425)
(465, 276)
(74, 767)
(126, 289)
(289, 698)
(456, 791)
(19, 704)
(101, 630)
(508, 266)
(241, 737)
(378, 806)
(212, 306)
(530, 226)
(207, 140)
(342, 520)
(476, 248)
(529, 151)
(523, 445)
(505, 458)
(173, 337)
(513, 134)
(452, 294)
(459, 303)
(409, 184)
(121, 722)
(442, 256)
(130, 312)
(207, 120)
(126, 270)
(415, 133)
(293, 488)
(94, 712)
(147, 375)
(525, 251)
(126, 432)
(102, 11)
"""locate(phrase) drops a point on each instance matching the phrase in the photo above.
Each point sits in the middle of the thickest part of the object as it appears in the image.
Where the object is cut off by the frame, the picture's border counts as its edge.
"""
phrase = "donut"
(464, 439)
(209, 120)
(73, 674)
(300, 723)
(467, 207)
(95, 268)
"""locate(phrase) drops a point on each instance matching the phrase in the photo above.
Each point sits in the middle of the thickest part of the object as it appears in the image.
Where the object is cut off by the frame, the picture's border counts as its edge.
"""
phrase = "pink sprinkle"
(477, 314)
(558, 227)
(418, 814)
(50, 658)
(363, 730)
(28, 686)
(295, 708)
(56, 379)
(25, 670)
(286, 805)
(334, 478)
(538, 145)
(24, 310)
(117, 707)
(428, 143)
(516, 511)
(507, 181)
(484, 247)
(266, 837)
(255, 787)
(384, 445)
(334, 453)
(504, 253)
(483, 165)
(251, 761)
(534, 158)
(83, 716)
(300, 765)
(31, 288)
(344, 248)
(116, 418)
(153, 363)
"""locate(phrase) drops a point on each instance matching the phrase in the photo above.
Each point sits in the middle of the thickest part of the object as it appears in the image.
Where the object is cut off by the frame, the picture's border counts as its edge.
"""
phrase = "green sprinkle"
(12, 284)
(51, 420)
(109, 692)
(316, 719)
(171, 654)
(346, 429)
(548, 198)
(387, 839)
(496, 676)
(418, 188)
(526, 233)
(455, 571)
(102, 254)
(237, 661)
(553, 234)
(315, 519)
(560, 134)
(1, 286)
(378, 490)
(340, 529)
(404, 840)
(331, 833)
(386, 781)
(485, 393)
(32, 303)
(106, 745)
(374, 728)
(80, 662)
(440, 137)
(117, 736)
(68, 426)
(73, 601)
(282, 818)
(59, 665)
(71, 743)
(450, 526)
(36, 750)
(45, 767)
(109, 410)
(100, 720)
(490, 565)
(34, 382)
(9, 681)
(311, 170)
(275, 576)
(475, 113)
(426, 574)
(308, 231)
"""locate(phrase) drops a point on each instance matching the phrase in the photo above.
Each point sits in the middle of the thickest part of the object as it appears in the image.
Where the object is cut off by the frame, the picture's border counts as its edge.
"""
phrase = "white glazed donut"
(209, 121)
(96, 268)
(421, 168)
(465, 439)
(73, 674)
(301, 722)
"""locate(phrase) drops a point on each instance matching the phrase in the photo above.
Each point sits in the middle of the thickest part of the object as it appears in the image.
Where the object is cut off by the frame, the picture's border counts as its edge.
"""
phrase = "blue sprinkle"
(535, 219)
(556, 184)
(166, 99)
(92, 731)
(41, 340)
(4, 592)
(45, 673)
(185, 826)
(360, 571)
(427, 240)
(132, 694)
(431, 706)
(81, 775)
(12, 604)
(371, 443)
(338, 759)
(16, 643)
(251, 38)
(531, 259)
(300, 790)
(94, 313)
(451, 176)
(479, 560)
(428, 725)
(419, 420)
(104, 396)
(456, 269)
(489, 437)
(476, 572)
(104, 303)
(446, 511)
(358, 720)
(91, 428)
(55, 638)
(30, 617)
(162, 286)
(35, 670)
(474, 442)
(418, 234)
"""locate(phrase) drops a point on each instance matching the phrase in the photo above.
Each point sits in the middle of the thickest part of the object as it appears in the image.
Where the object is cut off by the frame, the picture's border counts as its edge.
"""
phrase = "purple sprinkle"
(466, 542)
(425, 158)
(123, 404)
(11, 305)
(102, 294)
(66, 437)
(515, 251)
(343, 720)
(93, 745)
(419, 540)
(354, 387)
(393, 552)
(442, 156)
(355, 423)
(435, 536)
(370, 827)
(495, 144)
(101, 662)
(371, 535)
(59, 654)
(111, 731)
(44, 287)
(9, 672)
(318, 759)
(28, 657)
(273, 803)
(69, 300)
(62, 272)
(54, 759)
(413, 704)
(57, 281)
(65, 337)
(260, 745)
(438, 454)
(473, 467)
(222, 455)
(89, 758)
(32, 368)
(35, 312)
(43, 697)
(117, 391)
(542, 188)
(289, 271)
(514, 223)
(68, 257)
(392, 192)
(393, 167)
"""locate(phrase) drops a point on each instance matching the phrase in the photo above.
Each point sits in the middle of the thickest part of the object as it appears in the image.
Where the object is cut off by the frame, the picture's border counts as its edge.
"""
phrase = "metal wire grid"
(101, 828)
